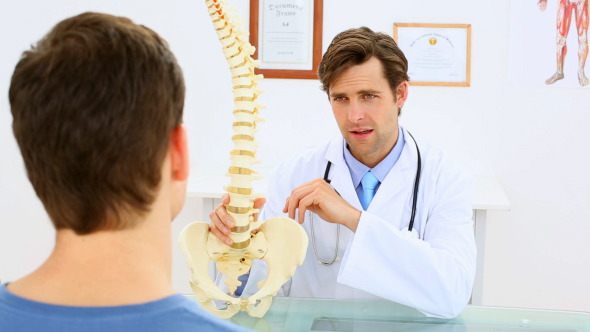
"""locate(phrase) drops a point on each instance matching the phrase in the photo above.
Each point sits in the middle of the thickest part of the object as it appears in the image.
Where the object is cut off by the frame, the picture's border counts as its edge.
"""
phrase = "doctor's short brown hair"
(94, 103)
(356, 46)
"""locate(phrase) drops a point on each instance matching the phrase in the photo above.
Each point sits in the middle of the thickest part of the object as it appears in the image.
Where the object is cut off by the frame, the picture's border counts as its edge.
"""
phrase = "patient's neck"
(105, 268)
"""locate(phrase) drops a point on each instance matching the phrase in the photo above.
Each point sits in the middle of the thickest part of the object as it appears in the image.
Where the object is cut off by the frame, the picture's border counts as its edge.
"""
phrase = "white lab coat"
(433, 274)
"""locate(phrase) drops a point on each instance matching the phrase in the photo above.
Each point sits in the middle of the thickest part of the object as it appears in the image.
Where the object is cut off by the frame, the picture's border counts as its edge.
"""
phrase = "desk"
(206, 185)
(297, 314)
(488, 195)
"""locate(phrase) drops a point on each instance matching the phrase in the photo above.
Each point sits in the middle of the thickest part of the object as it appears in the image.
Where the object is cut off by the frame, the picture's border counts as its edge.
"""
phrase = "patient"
(97, 113)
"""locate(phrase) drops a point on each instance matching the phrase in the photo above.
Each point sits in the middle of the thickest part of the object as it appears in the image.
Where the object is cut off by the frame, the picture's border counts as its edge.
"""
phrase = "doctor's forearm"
(436, 279)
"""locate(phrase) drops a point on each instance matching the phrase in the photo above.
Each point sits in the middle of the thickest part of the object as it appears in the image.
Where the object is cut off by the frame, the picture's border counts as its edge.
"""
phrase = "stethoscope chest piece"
(413, 234)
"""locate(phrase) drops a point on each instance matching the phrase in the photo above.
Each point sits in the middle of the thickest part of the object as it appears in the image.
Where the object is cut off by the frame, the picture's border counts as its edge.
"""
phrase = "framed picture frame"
(438, 54)
(287, 35)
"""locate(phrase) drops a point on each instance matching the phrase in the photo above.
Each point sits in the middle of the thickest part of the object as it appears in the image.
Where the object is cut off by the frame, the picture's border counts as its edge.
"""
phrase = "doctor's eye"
(369, 96)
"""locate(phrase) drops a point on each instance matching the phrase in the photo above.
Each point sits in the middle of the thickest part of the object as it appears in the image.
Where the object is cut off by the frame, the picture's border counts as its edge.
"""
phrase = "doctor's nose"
(355, 112)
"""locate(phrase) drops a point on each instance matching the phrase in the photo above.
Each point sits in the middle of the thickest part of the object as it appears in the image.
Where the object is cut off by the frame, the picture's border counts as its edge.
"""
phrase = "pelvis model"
(280, 242)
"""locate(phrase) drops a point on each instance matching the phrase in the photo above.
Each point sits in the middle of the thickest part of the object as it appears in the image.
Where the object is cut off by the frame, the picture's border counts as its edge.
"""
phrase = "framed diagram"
(287, 35)
(438, 54)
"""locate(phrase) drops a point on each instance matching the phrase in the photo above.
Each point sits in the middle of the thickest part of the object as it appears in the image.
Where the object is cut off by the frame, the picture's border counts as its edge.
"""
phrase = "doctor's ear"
(401, 93)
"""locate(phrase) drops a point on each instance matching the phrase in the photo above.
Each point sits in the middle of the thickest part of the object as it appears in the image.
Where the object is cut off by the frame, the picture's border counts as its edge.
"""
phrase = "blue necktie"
(369, 182)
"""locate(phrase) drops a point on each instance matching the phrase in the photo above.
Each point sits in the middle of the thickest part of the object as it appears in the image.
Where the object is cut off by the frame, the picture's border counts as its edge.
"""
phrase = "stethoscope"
(409, 228)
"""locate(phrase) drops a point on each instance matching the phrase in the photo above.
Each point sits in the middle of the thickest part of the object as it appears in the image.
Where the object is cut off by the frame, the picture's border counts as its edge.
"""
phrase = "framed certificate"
(438, 54)
(287, 35)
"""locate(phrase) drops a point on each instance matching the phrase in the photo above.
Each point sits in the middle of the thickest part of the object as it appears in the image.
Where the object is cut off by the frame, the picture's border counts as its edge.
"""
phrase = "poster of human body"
(549, 43)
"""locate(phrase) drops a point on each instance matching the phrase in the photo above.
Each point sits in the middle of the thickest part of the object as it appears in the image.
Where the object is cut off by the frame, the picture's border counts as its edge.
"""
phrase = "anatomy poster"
(549, 43)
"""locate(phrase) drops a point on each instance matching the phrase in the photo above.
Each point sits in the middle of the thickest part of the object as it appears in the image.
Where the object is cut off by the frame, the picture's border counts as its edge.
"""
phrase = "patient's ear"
(179, 154)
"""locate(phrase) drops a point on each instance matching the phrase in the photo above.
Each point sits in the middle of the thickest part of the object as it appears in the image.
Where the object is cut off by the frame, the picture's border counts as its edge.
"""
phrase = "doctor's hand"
(222, 222)
(542, 4)
(320, 198)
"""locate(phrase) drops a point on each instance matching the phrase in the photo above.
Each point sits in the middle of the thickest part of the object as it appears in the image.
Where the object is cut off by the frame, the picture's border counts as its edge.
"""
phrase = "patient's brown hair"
(356, 46)
(93, 105)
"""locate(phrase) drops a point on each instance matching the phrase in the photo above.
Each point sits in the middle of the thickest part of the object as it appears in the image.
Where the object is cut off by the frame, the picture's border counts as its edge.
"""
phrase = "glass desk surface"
(299, 314)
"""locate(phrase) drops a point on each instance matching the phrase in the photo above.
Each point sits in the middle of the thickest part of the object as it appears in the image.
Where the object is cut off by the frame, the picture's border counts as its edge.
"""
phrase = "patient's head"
(94, 104)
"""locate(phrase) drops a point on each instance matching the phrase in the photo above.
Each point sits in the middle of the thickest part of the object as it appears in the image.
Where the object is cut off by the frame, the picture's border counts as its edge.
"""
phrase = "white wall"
(533, 139)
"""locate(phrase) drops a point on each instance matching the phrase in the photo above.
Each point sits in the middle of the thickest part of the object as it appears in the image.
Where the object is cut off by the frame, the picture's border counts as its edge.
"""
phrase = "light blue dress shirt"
(358, 169)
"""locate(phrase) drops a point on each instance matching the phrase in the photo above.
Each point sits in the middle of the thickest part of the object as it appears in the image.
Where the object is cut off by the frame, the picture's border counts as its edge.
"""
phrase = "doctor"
(372, 234)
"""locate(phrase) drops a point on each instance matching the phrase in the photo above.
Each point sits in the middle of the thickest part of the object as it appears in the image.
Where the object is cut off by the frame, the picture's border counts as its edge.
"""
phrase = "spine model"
(238, 51)
(280, 242)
